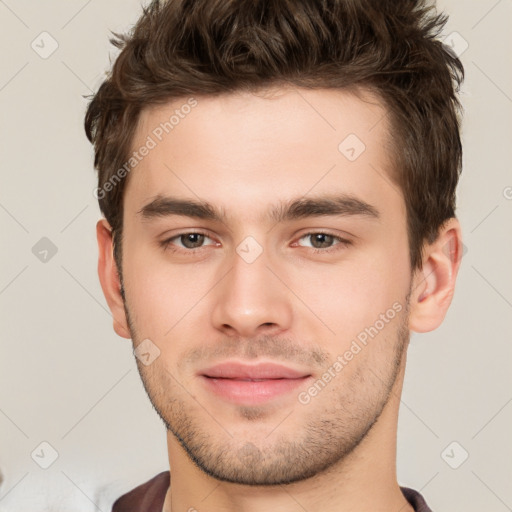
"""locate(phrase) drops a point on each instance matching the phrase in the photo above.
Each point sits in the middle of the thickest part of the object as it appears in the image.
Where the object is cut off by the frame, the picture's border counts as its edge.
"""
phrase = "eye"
(187, 242)
(324, 242)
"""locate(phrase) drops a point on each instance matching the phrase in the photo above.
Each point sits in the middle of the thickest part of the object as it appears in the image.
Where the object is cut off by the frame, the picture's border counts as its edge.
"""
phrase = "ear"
(434, 285)
(109, 278)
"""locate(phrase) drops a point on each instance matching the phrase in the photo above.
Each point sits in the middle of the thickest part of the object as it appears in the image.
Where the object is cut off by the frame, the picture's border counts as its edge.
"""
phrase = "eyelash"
(342, 242)
(166, 244)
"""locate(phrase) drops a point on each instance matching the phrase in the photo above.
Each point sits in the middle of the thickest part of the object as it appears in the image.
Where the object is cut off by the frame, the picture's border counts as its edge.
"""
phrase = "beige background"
(68, 380)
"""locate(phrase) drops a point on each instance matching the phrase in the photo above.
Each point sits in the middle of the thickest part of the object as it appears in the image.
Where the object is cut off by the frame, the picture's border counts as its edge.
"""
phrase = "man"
(278, 183)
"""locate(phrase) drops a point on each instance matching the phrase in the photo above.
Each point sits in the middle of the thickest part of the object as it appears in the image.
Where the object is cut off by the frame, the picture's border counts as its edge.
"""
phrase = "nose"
(251, 300)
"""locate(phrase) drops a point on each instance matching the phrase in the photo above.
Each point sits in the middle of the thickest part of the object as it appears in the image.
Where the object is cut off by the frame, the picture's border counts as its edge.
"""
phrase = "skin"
(245, 153)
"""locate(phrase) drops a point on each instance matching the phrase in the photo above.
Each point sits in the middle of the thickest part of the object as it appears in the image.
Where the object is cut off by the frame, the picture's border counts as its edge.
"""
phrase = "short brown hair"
(180, 48)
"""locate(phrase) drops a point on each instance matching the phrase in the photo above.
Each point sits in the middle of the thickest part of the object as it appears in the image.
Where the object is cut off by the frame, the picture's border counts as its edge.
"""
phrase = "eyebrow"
(330, 205)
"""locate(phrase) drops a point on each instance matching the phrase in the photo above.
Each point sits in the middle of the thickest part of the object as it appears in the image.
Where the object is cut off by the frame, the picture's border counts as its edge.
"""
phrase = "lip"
(251, 384)
(234, 370)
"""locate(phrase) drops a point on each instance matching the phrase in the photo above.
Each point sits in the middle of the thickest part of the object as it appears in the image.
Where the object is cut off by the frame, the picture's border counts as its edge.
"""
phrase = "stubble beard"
(326, 439)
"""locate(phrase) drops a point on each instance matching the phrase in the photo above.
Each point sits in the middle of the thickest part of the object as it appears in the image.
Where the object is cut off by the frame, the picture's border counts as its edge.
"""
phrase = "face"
(266, 265)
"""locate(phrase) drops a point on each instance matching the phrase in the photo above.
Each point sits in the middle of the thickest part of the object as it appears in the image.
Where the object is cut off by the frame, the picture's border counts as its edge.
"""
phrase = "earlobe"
(434, 285)
(109, 278)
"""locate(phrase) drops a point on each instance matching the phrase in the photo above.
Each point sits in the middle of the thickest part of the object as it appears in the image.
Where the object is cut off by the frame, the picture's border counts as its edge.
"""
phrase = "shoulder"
(147, 497)
(415, 499)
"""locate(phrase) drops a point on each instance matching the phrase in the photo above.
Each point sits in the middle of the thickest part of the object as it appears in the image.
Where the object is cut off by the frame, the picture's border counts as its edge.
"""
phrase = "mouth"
(251, 384)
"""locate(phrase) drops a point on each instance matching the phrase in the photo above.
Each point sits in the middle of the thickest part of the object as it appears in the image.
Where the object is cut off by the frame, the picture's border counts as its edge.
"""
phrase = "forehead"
(241, 151)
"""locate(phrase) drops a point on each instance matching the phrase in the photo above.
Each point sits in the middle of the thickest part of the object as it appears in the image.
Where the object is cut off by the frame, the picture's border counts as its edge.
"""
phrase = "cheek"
(161, 297)
(352, 295)
(148, 292)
